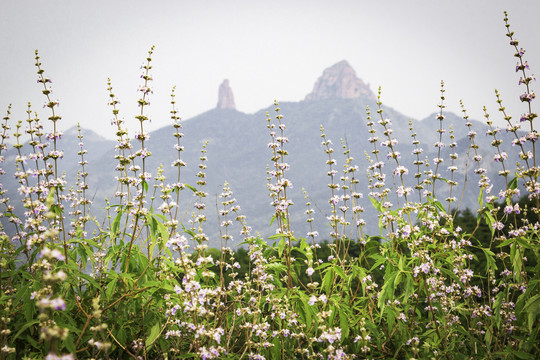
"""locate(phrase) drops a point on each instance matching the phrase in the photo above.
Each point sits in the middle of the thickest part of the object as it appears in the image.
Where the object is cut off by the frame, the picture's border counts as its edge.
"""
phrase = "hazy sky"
(268, 50)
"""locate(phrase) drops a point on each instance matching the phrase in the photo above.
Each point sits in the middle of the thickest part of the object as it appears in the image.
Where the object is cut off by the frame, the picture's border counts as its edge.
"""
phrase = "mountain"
(237, 152)
(340, 82)
(225, 96)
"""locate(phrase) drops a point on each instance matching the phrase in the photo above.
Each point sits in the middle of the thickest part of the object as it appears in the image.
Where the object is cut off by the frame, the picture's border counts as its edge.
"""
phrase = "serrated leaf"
(276, 267)
(281, 246)
(111, 287)
(387, 291)
(343, 323)
(533, 300)
(490, 220)
(481, 198)
(307, 311)
(24, 327)
(327, 280)
(154, 333)
(532, 307)
(115, 225)
(340, 272)
(506, 242)
(276, 349)
(92, 281)
(439, 206)
(490, 261)
(70, 344)
(523, 355)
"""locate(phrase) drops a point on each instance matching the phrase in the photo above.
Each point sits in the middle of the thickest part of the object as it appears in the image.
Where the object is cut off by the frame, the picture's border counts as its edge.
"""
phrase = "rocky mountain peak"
(225, 96)
(340, 81)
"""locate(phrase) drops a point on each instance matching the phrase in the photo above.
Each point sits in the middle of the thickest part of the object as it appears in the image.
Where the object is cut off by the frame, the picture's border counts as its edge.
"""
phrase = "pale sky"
(268, 50)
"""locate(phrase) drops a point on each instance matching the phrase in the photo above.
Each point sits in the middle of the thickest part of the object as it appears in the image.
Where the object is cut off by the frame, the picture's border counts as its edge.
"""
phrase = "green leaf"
(533, 300)
(513, 183)
(70, 344)
(439, 206)
(376, 204)
(487, 337)
(343, 323)
(379, 260)
(340, 272)
(92, 281)
(190, 187)
(164, 234)
(327, 280)
(497, 309)
(116, 224)
(490, 220)
(111, 287)
(281, 246)
(481, 198)
(276, 349)
(523, 355)
(188, 356)
(307, 310)
(145, 186)
(490, 261)
(276, 267)
(397, 279)
(532, 307)
(506, 242)
(154, 333)
(517, 263)
(33, 342)
(121, 335)
(387, 291)
(390, 317)
(24, 327)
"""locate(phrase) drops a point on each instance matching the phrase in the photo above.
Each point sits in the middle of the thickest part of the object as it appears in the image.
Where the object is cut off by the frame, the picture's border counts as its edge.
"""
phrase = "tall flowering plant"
(435, 282)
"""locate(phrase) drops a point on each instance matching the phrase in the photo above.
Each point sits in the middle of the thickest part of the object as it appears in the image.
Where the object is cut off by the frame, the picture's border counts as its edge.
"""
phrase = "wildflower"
(414, 341)
(500, 157)
(400, 170)
(527, 97)
(424, 267)
(405, 231)
(331, 336)
(52, 254)
(53, 356)
(497, 225)
(506, 272)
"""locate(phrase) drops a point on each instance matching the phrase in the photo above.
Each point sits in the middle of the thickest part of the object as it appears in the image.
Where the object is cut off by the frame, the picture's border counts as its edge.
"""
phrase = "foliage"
(434, 283)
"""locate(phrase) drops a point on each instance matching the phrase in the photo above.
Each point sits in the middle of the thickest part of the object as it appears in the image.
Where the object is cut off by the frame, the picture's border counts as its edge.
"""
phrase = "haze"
(267, 50)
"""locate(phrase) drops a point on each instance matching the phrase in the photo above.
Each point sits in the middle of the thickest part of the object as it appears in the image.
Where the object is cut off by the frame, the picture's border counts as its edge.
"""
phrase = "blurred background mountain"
(237, 153)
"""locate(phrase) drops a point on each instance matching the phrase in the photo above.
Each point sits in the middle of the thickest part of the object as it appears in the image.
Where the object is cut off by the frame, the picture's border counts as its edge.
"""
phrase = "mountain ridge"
(237, 152)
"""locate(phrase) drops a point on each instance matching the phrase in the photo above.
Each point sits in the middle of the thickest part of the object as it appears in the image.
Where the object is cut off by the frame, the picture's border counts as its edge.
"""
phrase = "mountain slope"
(237, 152)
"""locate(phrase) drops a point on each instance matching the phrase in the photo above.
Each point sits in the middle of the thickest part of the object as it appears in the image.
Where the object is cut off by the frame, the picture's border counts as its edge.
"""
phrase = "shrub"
(437, 283)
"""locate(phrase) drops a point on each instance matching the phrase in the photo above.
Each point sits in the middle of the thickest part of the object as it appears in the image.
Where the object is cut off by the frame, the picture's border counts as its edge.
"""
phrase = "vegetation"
(435, 283)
